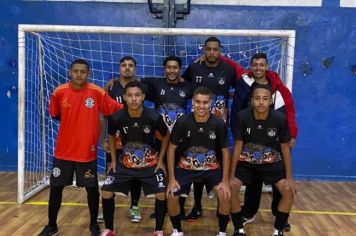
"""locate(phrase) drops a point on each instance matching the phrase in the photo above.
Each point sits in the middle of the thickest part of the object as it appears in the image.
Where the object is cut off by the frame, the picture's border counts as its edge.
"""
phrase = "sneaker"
(135, 214)
(267, 189)
(221, 234)
(100, 219)
(49, 231)
(158, 233)
(241, 232)
(176, 233)
(94, 229)
(277, 232)
(107, 232)
(196, 213)
(246, 220)
(182, 215)
(287, 227)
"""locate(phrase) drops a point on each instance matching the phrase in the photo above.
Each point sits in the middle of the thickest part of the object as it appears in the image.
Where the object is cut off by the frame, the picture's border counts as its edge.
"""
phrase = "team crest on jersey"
(271, 132)
(212, 135)
(221, 81)
(146, 129)
(56, 172)
(89, 103)
(182, 94)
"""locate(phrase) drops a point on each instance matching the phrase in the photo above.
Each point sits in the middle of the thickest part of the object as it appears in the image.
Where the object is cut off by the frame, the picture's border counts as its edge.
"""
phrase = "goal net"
(46, 52)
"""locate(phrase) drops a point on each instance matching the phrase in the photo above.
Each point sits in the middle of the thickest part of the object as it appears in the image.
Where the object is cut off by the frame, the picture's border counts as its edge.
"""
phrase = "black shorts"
(122, 180)
(63, 171)
(210, 178)
(270, 173)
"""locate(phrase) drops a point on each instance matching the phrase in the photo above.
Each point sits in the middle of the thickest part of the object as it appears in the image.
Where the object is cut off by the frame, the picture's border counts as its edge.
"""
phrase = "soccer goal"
(46, 51)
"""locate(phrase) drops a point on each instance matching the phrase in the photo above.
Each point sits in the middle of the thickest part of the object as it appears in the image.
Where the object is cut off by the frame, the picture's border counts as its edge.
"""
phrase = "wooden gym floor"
(320, 209)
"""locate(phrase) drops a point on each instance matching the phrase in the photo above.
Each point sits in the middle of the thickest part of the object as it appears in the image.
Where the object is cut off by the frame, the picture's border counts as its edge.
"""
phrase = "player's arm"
(239, 70)
(108, 105)
(110, 84)
(54, 108)
(102, 131)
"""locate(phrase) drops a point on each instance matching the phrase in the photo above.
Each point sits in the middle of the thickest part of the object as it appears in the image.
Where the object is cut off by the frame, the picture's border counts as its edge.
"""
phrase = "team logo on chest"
(221, 81)
(146, 129)
(212, 135)
(89, 103)
(271, 132)
(182, 94)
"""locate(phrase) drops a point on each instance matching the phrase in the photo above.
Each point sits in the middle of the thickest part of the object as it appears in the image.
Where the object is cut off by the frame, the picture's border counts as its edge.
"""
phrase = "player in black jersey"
(116, 91)
(262, 147)
(218, 76)
(200, 139)
(140, 158)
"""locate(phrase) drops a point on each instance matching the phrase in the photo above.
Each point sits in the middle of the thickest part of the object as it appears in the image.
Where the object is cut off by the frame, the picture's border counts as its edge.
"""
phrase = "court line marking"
(75, 204)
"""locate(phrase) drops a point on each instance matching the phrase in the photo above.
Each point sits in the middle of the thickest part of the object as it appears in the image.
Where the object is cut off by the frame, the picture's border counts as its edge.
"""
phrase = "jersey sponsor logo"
(199, 158)
(66, 103)
(259, 127)
(138, 155)
(221, 81)
(201, 130)
(109, 180)
(146, 129)
(259, 154)
(211, 75)
(56, 172)
(89, 103)
(170, 113)
(212, 135)
(272, 132)
(89, 175)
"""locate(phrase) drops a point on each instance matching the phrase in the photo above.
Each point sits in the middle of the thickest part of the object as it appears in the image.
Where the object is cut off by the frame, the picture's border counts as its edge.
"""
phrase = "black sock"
(281, 220)
(54, 203)
(135, 193)
(198, 193)
(223, 220)
(160, 213)
(176, 222)
(237, 220)
(93, 203)
(108, 212)
(181, 204)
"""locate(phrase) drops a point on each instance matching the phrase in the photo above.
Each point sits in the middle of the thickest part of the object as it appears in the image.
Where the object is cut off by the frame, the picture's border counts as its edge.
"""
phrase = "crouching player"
(262, 147)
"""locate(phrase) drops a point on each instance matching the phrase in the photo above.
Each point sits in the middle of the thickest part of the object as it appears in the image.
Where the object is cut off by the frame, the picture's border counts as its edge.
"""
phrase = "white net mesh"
(48, 56)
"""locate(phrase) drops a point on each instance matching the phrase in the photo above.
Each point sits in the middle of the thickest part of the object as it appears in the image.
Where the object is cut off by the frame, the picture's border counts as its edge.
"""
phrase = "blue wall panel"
(324, 86)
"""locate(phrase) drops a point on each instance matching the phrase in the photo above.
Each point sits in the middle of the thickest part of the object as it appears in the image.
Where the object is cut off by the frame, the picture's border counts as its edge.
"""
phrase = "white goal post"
(46, 51)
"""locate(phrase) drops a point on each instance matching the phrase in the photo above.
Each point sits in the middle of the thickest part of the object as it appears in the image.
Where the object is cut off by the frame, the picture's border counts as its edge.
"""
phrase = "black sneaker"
(286, 227)
(241, 232)
(94, 229)
(195, 214)
(49, 231)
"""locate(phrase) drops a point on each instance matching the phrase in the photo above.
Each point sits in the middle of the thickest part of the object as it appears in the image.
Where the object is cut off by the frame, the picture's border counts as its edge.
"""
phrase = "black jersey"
(140, 149)
(170, 99)
(200, 144)
(117, 92)
(262, 138)
(217, 79)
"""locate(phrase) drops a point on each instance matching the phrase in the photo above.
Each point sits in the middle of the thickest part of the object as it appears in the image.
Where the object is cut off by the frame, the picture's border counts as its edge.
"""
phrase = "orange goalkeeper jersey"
(78, 111)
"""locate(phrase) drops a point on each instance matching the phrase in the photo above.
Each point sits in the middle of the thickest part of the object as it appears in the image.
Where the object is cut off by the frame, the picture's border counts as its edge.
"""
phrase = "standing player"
(282, 101)
(218, 76)
(115, 89)
(77, 105)
(139, 159)
(200, 138)
(262, 147)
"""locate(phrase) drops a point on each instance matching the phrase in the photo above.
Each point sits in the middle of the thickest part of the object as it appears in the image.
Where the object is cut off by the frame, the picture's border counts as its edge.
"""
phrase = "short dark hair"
(259, 55)
(203, 91)
(212, 39)
(255, 86)
(135, 84)
(80, 61)
(126, 58)
(173, 58)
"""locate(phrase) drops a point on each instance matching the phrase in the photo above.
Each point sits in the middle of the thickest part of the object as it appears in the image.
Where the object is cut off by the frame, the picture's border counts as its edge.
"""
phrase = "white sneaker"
(176, 233)
(248, 220)
(276, 232)
(135, 215)
(158, 233)
(267, 188)
(221, 234)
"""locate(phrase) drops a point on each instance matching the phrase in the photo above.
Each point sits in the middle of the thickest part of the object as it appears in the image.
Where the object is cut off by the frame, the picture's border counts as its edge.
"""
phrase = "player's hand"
(173, 186)
(105, 146)
(234, 183)
(292, 142)
(225, 188)
(162, 166)
(200, 59)
(111, 166)
(290, 183)
(181, 79)
(108, 86)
